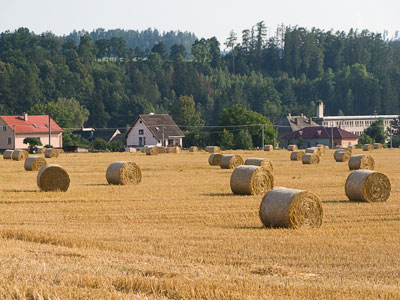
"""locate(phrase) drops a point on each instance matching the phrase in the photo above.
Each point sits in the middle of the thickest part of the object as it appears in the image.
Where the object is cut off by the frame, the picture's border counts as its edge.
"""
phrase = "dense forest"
(115, 75)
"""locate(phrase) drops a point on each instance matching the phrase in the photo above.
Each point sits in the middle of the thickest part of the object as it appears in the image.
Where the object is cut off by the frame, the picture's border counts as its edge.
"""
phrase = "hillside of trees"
(263, 77)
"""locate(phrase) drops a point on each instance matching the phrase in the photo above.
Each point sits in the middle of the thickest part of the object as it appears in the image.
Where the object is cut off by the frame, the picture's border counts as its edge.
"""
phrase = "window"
(141, 131)
(4, 128)
(47, 125)
(35, 125)
(9, 141)
(170, 142)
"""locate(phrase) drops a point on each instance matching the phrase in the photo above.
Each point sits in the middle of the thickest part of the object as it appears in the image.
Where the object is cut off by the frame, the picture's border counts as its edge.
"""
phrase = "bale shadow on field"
(21, 191)
(336, 201)
(221, 195)
(97, 184)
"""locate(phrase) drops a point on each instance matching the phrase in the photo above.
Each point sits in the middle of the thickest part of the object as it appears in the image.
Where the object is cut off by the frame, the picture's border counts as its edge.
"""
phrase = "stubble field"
(182, 234)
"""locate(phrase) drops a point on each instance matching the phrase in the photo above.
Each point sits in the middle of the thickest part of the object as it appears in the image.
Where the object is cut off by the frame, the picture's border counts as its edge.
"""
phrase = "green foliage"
(100, 144)
(243, 140)
(376, 131)
(70, 139)
(33, 143)
(227, 140)
(365, 139)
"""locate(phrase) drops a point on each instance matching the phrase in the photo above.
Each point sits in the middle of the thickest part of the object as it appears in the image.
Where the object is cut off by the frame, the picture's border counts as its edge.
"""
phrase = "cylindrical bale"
(170, 150)
(310, 159)
(53, 178)
(289, 208)
(314, 150)
(34, 163)
(215, 159)
(368, 147)
(341, 156)
(213, 149)
(231, 161)
(151, 151)
(261, 162)
(193, 149)
(268, 148)
(51, 153)
(8, 154)
(378, 146)
(123, 172)
(60, 151)
(322, 148)
(367, 186)
(362, 161)
(293, 148)
(20, 155)
(251, 180)
(161, 149)
(297, 155)
(41, 150)
(178, 149)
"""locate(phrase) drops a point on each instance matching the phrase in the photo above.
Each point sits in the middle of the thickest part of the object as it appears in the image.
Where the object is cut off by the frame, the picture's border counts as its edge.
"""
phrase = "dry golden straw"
(19, 155)
(378, 146)
(231, 161)
(173, 150)
(8, 154)
(314, 150)
(368, 147)
(53, 178)
(193, 149)
(251, 180)
(151, 151)
(161, 149)
(362, 161)
(260, 162)
(268, 148)
(367, 186)
(41, 150)
(60, 151)
(51, 153)
(34, 163)
(341, 156)
(213, 149)
(310, 159)
(123, 172)
(297, 155)
(289, 208)
(293, 148)
(215, 159)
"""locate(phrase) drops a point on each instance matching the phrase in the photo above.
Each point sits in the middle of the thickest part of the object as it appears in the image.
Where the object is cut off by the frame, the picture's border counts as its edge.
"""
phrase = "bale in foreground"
(289, 208)
(341, 156)
(215, 159)
(213, 149)
(34, 163)
(368, 147)
(251, 180)
(310, 159)
(367, 186)
(123, 172)
(231, 161)
(297, 155)
(19, 155)
(362, 161)
(8, 154)
(53, 178)
(260, 162)
(268, 148)
(51, 153)
(293, 148)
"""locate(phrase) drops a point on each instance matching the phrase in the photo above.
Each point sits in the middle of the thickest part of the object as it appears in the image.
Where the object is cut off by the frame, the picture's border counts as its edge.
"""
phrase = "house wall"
(133, 136)
(5, 135)
(346, 142)
(56, 139)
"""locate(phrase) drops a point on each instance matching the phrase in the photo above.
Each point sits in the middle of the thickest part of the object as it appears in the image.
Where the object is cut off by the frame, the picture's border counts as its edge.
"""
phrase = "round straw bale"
(193, 149)
(53, 178)
(251, 180)
(60, 151)
(314, 150)
(178, 149)
(368, 147)
(123, 172)
(338, 146)
(268, 148)
(41, 150)
(362, 161)
(341, 156)
(293, 148)
(215, 159)
(8, 154)
(51, 153)
(161, 149)
(213, 149)
(378, 146)
(282, 207)
(19, 155)
(151, 151)
(297, 155)
(367, 186)
(261, 162)
(310, 159)
(34, 163)
(170, 150)
(231, 161)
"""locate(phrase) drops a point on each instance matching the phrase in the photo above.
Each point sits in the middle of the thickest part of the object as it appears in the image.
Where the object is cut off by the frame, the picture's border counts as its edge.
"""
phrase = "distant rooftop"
(359, 117)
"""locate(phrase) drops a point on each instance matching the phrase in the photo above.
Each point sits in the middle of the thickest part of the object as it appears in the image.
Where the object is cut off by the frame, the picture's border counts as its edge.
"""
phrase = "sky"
(205, 18)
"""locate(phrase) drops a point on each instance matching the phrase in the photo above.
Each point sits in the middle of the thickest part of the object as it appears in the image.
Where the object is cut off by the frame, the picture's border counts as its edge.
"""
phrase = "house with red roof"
(312, 136)
(14, 129)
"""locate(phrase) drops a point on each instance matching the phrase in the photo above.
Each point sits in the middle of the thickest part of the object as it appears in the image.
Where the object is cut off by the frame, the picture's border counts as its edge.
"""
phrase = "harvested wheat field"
(182, 234)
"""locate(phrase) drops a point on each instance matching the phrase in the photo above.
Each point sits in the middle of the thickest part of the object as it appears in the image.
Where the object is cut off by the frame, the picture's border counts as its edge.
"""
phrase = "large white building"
(353, 124)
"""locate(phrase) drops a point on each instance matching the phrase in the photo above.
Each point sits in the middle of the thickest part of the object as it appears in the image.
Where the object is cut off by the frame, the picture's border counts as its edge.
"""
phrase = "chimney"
(25, 116)
(320, 109)
(296, 121)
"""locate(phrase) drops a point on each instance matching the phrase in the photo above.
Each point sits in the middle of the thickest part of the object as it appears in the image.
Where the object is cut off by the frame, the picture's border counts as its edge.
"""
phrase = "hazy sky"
(205, 18)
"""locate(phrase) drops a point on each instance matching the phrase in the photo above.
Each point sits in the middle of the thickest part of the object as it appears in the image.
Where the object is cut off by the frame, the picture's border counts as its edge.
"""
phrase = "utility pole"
(49, 132)
(332, 136)
(14, 135)
(262, 137)
(163, 140)
(391, 137)
(273, 136)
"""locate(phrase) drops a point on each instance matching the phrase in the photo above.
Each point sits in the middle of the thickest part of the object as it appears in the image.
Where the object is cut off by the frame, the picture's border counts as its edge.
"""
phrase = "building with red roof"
(312, 136)
(14, 129)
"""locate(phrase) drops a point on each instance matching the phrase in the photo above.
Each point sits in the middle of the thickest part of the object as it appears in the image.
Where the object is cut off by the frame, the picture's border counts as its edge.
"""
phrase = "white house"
(154, 130)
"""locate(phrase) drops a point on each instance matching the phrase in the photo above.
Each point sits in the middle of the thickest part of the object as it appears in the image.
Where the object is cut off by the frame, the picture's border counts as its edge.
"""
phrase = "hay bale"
(314, 150)
(34, 163)
(231, 161)
(251, 180)
(322, 148)
(367, 186)
(260, 162)
(173, 150)
(193, 149)
(268, 148)
(215, 159)
(53, 178)
(51, 153)
(8, 154)
(289, 208)
(297, 155)
(362, 161)
(60, 151)
(41, 150)
(178, 149)
(151, 151)
(293, 148)
(20, 155)
(213, 149)
(341, 156)
(368, 147)
(123, 172)
(310, 159)
(378, 146)
(161, 149)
